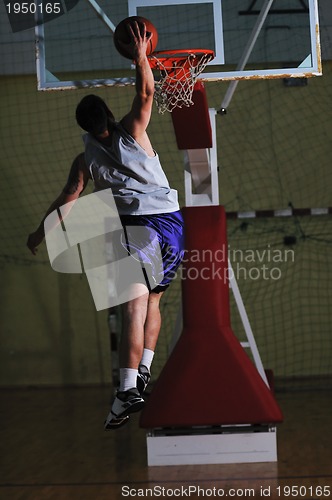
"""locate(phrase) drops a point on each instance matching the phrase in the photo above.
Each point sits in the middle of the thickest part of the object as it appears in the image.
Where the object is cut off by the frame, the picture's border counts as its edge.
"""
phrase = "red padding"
(205, 286)
(208, 379)
(192, 124)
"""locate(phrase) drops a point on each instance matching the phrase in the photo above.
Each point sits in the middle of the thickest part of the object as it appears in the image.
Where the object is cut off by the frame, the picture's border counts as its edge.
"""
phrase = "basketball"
(121, 34)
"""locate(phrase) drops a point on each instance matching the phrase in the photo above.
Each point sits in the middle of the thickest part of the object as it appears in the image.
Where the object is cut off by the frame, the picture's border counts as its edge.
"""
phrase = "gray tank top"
(137, 180)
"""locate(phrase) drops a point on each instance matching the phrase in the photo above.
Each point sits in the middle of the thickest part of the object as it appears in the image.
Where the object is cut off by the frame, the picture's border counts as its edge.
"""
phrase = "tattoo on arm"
(74, 179)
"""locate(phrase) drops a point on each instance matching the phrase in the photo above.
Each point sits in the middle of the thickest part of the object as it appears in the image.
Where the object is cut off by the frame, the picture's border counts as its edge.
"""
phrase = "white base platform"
(212, 448)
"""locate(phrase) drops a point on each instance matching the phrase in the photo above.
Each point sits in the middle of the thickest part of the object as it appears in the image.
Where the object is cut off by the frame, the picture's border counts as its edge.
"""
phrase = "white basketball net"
(177, 79)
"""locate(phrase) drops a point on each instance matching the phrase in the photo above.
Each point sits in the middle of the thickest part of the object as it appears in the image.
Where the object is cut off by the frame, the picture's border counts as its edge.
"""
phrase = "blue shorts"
(160, 245)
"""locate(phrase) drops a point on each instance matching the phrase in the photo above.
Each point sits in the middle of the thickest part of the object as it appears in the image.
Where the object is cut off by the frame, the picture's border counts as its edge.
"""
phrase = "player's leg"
(134, 315)
(128, 399)
(151, 334)
(169, 228)
(153, 321)
(142, 318)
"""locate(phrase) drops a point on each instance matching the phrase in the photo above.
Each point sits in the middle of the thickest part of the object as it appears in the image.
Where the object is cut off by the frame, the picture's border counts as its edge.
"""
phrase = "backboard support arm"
(246, 53)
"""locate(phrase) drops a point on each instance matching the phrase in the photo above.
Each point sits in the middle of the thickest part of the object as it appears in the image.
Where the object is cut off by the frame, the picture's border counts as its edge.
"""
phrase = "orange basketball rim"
(179, 70)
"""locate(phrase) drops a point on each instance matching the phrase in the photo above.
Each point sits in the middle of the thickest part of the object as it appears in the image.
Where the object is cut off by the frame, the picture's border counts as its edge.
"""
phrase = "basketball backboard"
(251, 39)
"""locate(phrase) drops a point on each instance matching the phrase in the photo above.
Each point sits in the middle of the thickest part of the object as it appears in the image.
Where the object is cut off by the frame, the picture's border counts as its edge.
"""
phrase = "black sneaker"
(114, 423)
(125, 402)
(143, 378)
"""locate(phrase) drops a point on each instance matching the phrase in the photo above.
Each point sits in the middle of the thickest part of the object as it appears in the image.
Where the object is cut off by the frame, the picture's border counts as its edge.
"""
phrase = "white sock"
(128, 378)
(147, 358)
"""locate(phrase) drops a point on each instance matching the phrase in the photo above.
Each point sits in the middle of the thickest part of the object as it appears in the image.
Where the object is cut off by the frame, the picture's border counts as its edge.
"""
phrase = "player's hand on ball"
(133, 34)
(139, 39)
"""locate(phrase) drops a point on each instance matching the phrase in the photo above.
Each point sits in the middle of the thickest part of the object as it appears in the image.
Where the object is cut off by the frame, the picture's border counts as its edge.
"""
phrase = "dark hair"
(92, 114)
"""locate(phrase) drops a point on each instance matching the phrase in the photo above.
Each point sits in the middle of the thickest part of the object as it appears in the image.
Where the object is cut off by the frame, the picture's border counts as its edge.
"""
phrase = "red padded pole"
(205, 276)
(192, 124)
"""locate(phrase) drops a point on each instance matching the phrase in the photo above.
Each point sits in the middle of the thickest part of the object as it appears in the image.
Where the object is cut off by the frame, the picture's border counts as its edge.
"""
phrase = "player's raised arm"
(137, 120)
(75, 185)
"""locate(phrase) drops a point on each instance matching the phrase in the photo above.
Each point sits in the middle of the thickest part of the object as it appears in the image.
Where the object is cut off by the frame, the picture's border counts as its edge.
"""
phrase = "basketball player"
(119, 155)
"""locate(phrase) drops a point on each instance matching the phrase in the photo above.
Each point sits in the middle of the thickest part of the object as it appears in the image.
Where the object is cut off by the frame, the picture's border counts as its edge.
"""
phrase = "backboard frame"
(311, 66)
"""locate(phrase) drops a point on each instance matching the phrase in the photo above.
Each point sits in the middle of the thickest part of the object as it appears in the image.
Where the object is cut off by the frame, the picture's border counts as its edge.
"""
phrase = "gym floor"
(53, 446)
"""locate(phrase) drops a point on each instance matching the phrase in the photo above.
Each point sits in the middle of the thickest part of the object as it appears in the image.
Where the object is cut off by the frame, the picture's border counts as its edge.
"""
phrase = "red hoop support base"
(208, 379)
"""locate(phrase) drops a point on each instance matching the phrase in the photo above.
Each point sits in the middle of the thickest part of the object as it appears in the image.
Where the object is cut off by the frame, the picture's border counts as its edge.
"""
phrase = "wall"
(274, 148)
